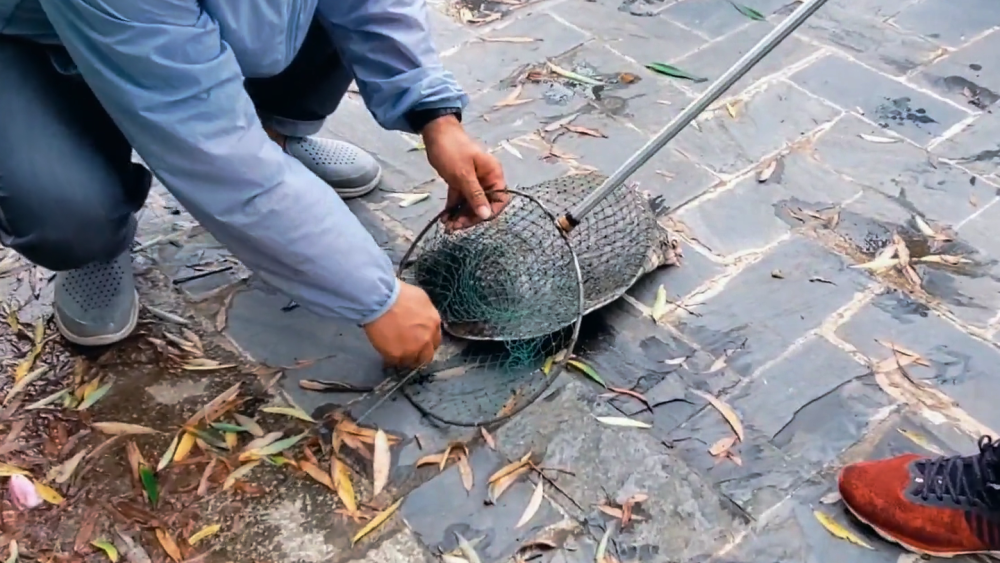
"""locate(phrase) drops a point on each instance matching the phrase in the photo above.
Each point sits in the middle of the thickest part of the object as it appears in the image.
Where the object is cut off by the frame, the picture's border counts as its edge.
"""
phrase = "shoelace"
(965, 479)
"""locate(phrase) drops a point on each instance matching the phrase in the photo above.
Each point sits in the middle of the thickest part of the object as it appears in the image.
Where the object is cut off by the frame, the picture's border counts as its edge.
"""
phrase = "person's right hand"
(409, 333)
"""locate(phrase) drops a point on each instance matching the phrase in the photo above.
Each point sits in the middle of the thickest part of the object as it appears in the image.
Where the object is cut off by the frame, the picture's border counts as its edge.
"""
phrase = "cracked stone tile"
(714, 19)
(439, 508)
(814, 404)
(716, 58)
(679, 281)
(752, 215)
(766, 315)
(400, 548)
(627, 348)
(853, 29)
(891, 104)
(960, 365)
(962, 73)
(971, 292)
(940, 21)
(634, 37)
(938, 191)
(686, 518)
(764, 124)
(631, 92)
(467, 64)
(976, 147)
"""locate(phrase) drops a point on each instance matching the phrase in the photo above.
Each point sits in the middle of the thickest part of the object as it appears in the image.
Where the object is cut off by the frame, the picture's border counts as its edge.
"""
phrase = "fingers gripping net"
(520, 283)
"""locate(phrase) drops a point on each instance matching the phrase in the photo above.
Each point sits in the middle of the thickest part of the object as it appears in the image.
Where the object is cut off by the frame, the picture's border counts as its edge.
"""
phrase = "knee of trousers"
(67, 229)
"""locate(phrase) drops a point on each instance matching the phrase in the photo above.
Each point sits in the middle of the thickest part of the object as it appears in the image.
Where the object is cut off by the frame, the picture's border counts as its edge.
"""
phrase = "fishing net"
(513, 291)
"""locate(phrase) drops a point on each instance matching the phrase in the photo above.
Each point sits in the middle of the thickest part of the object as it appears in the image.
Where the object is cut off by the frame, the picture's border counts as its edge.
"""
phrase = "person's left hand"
(474, 177)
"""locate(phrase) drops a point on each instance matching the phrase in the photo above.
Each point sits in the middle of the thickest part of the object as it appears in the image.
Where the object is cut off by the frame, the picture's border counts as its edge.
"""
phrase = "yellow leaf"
(107, 548)
(290, 411)
(342, 482)
(659, 303)
(89, 388)
(168, 455)
(839, 531)
(184, 447)
(377, 521)
(381, 463)
(239, 473)
(316, 473)
(168, 544)
(921, 441)
(212, 407)
(47, 493)
(725, 410)
(63, 472)
(533, 505)
(232, 440)
(203, 533)
(6, 470)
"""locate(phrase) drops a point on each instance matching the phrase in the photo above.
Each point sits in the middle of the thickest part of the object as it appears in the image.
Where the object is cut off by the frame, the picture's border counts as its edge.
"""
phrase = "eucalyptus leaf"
(674, 72)
(749, 12)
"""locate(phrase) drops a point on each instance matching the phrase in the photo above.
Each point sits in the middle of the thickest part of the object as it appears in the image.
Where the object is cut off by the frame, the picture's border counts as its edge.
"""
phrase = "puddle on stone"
(899, 111)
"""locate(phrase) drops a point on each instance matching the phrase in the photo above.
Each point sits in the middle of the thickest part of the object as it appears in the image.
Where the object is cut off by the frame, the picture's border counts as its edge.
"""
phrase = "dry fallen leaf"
(512, 99)
(659, 307)
(767, 171)
(533, 504)
(725, 410)
(184, 447)
(832, 497)
(318, 474)
(381, 463)
(47, 493)
(250, 424)
(510, 468)
(722, 446)
(505, 145)
(488, 438)
(877, 139)
(839, 531)
(342, 483)
(465, 471)
(586, 131)
(498, 487)
(213, 407)
(406, 200)
(63, 472)
(622, 421)
(122, 428)
(293, 412)
(169, 545)
(239, 473)
(509, 39)
(377, 521)
(921, 441)
(203, 533)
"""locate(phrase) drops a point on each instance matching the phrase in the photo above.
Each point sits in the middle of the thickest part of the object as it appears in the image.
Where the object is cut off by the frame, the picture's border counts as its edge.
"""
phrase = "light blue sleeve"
(165, 76)
(387, 43)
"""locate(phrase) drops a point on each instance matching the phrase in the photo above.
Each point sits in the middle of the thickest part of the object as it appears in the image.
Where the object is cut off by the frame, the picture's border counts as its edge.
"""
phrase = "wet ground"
(840, 204)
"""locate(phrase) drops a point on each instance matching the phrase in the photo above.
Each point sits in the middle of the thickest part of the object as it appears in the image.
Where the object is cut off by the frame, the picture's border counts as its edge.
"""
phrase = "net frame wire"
(561, 358)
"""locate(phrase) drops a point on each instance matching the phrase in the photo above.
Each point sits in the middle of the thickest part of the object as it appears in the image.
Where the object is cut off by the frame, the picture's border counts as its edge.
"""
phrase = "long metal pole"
(726, 81)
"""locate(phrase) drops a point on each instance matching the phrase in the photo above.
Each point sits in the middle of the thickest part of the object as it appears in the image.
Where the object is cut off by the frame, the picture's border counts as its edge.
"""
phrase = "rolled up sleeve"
(173, 86)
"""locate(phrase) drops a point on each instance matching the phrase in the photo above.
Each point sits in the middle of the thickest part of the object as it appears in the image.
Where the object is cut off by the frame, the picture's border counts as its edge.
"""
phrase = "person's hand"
(474, 176)
(409, 333)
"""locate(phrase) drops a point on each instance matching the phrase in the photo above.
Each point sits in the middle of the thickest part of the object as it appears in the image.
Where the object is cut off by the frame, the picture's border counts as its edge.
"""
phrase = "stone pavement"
(871, 127)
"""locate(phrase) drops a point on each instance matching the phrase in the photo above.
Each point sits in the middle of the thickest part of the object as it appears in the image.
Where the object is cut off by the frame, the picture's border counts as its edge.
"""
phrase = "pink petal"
(22, 493)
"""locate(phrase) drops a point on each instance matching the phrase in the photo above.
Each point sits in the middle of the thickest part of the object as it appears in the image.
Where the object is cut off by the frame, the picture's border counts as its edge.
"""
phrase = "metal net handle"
(562, 357)
(575, 215)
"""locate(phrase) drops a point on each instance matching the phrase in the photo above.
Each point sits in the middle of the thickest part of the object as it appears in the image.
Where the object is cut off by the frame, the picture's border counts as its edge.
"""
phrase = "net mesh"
(515, 290)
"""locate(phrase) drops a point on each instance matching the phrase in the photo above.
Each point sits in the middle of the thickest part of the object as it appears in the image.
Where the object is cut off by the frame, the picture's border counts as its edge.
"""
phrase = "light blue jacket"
(170, 73)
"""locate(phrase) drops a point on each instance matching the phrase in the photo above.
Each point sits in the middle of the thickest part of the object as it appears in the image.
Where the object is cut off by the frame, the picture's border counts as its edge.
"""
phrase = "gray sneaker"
(350, 171)
(98, 304)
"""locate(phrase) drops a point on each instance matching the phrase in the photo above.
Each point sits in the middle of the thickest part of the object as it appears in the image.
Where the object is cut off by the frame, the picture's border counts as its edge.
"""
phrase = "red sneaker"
(943, 507)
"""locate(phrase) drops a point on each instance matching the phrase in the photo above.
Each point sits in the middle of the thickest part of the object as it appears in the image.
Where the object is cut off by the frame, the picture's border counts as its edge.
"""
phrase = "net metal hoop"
(562, 358)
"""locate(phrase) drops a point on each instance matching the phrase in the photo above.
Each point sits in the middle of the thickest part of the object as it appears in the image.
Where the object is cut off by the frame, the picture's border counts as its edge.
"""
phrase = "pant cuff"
(291, 127)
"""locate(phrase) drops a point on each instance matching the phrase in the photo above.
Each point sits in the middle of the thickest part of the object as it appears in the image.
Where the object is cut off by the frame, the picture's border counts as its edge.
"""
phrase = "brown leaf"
(135, 459)
(488, 438)
(355, 443)
(85, 534)
(465, 470)
(635, 395)
(122, 428)
(498, 487)
(725, 410)
(510, 468)
(342, 482)
(63, 472)
(381, 463)
(214, 407)
(205, 476)
(169, 545)
(433, 459)
(512, 99)
(318, 474)
(767, 171)
(586, 131)
(722, 446)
